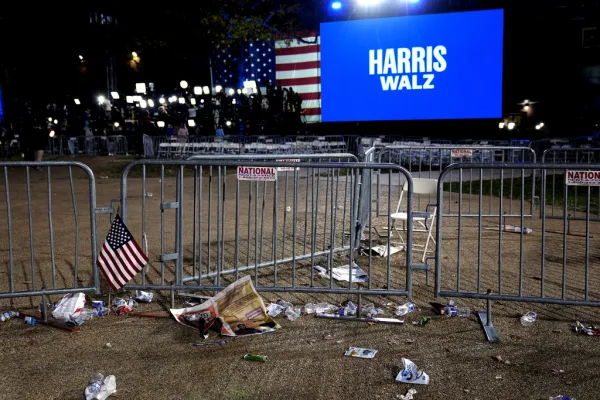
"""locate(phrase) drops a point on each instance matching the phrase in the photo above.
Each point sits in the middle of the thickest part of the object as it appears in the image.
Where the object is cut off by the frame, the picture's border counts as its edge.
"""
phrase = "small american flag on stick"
(121, 257)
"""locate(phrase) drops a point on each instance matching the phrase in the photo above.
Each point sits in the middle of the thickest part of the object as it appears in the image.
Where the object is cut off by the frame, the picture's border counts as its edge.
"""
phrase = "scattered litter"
(411, 374)
(498, 377)
(409, 341)
(235, 311)
(273, 310)
(250, 357)
(349, 309)
(370, 311)
(590, 330)
(219, 342)
(30, 321)
(339, 341)
(143, 297)
(556, 331)
(562, 397)
(404, 309)
(466, 390)
(360, 352)
(408, 396)
(7, 315)
(558, 371)
(528, 319)
(500, 359)
(288, 209)
(148, 194)
(452, 311)
(103, 177)
(328, 337)
(511, 229)
(382, 250)
(108, 346)
(343, 273)
(100, 387)
(69, 306)
(121, 306)
(422, 321)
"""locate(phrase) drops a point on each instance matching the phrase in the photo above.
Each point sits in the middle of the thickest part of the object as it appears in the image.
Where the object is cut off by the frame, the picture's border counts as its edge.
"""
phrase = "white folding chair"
(425, 220)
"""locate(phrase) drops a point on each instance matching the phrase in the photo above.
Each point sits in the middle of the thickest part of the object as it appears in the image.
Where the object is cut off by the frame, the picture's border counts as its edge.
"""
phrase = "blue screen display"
(440, 66)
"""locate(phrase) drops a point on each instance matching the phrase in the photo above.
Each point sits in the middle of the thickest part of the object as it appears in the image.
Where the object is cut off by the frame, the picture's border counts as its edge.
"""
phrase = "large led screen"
(439, 66)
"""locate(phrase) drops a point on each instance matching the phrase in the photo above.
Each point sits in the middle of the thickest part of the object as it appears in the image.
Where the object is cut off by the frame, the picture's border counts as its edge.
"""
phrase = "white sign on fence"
(256, 174)
(462, 153)
(288, 169)
(583, 178)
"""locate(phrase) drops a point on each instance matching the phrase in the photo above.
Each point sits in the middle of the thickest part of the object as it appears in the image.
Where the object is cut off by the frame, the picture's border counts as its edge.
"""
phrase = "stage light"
(336, 5)
(140, 88)
(526, 108)
(150, 103)
(49, 119)
(172, 99)
(129, 99)
(191, 123)
(183, 84)
(134, 54)
(541, 124)
(101, 99)
(511, 126)
(77, 101)
(538, 127)
(202, 101)
(206, 90)
(413, 1)
(239, 91)
(501, 125)
(218, 88)
(81, 57)
(117, 124)
(181, 100)
(55, 122)
(231, 92)
(193, 101)
(228, 123)
(161, 124)
(143, 103)
(52, 133)
(234, 101)
(161, 100)
(197, 90)
(115, 95)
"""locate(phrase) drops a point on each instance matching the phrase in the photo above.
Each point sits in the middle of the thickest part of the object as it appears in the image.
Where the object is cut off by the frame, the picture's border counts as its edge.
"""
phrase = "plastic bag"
(70, 306)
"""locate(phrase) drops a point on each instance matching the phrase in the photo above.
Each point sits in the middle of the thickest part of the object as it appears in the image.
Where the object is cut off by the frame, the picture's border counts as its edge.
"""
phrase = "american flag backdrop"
(294, 63)
(121, 257)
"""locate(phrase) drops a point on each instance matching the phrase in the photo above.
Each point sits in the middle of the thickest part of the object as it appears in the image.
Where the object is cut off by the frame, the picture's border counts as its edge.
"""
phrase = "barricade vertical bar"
(9, 223)
(285, 205)
(543, 216)
(255, 234)
(209, 230)
(237, 228)
(370, 253)
(249, 221)
(223, 218)
(460, 200)
(200, 221)
(219, 222)
(409, 238)
(162, 224)
(274, 235)
(389, 226)
(326, 202)
(76, 216)
(500, 230)
(345, 200)
(316, 213)
(308, 173)
(179, 270)
(521, 243)
(195, 220)
(312, 231)
(334, 202)
(50, 227)
(587, 243)
(262, 220)
(144, 235)
(479, 231)
(294, 223)
(30, 217)
(565, 233)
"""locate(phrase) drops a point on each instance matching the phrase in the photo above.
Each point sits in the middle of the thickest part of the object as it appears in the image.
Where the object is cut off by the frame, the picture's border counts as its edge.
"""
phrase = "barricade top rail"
(563, 150)
(271, 156)
(456, 166)
(454, 146)
(59, 163)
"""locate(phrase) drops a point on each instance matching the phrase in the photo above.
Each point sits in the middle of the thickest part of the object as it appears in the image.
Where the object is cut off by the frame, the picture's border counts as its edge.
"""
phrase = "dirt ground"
(154, 358)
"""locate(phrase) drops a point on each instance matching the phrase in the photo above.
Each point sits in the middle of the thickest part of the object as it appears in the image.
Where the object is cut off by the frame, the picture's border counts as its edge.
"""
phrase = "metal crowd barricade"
(316, 144)
(265, 145)
(430, 161)
(499, 259)
(42, 257)
(277, 231)
(567, 155)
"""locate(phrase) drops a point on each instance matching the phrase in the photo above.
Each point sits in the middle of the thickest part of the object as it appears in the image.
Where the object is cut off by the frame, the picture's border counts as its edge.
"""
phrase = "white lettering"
(389, 82)
(390, 66)
(418, 59)
(439, 52)
(404, 83)
(415, 83)
(429, 58)
(403, 61)
(429, 79)
(375, 62)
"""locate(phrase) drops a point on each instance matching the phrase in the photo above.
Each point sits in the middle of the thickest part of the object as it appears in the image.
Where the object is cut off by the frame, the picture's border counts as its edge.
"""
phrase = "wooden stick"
(52, 324)
(150, 314)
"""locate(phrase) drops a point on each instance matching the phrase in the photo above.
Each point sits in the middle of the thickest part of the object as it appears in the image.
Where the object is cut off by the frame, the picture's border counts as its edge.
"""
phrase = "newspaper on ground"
(410, 373)
(511, 228)
(342, 273)
(237, 310)
(360, 352)
(382, 250)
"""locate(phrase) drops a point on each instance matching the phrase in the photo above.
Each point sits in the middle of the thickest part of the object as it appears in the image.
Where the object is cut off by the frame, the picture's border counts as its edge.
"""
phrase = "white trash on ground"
(100, 387)
(412, 374)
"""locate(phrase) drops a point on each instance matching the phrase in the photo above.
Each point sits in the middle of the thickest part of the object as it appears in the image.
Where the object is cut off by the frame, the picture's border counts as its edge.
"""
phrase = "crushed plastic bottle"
(349, 309)
(292, 314)
(87, 313)
(7, 315)
(404, 309)
(285, 304)
(310, 308)
(370, 311)
(562, 397)
(325, 308)
(461, 312)
(30, 321)
(528, 319)
(143, 297)
(100, 387)
(94, 386)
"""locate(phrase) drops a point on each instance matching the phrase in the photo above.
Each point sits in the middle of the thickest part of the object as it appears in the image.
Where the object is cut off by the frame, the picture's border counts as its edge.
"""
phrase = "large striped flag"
(294, 63)
(121, 257)
(298, 65)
